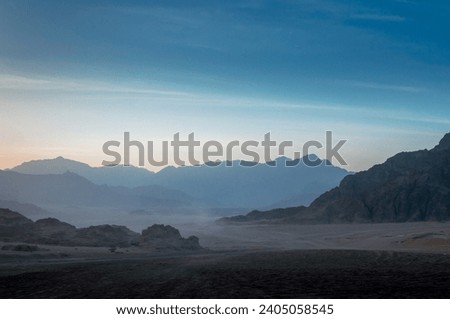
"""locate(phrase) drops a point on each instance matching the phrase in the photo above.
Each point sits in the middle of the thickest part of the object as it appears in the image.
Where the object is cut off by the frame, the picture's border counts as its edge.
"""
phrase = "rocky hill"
(410, 186)
(13, 226)
(161, 237)
(16, 228)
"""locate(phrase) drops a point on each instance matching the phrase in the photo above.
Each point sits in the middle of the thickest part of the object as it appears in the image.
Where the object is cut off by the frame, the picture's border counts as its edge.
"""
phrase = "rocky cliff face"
(410, 186)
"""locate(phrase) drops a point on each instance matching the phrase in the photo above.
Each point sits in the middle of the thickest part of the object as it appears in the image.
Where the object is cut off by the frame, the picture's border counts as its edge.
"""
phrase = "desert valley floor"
(410, 260)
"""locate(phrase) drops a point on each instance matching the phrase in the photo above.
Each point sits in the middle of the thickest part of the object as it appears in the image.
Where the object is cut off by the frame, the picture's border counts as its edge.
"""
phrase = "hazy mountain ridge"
(410, 186)
(129, 176)
(72, 189)
(243, 185)
(250, 185)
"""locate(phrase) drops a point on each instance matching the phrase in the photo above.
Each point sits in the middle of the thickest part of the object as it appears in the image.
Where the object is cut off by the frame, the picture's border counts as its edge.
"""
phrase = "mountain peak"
(444, 144)
(58, 165)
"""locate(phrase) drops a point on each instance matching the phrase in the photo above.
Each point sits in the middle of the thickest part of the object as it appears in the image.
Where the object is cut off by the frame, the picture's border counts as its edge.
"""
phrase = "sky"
(76, 74)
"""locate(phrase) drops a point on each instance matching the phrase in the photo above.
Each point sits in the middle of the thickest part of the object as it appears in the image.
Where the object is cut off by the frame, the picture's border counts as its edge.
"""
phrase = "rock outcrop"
(51, 231)
(161, 237)
(16, 228)
(106, 235)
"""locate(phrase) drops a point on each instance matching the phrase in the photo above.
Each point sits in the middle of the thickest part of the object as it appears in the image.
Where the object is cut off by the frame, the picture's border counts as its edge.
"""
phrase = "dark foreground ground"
(287, 274)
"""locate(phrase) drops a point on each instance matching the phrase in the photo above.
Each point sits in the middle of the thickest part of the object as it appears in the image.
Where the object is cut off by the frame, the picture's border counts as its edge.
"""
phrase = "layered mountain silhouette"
(15, 227)
(228, 185)
(247, 184)
(410, 186)
(129, 176)
(72, 189)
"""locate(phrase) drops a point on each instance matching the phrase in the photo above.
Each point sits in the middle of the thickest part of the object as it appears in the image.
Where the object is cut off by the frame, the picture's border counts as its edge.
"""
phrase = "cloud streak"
(219, 101)
(380, 86)
(378, 17)
(17, 82)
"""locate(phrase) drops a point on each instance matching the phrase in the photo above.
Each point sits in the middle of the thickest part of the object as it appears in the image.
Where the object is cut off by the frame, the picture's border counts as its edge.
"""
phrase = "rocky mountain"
(410, 186)
(14, 227)
(228, 185)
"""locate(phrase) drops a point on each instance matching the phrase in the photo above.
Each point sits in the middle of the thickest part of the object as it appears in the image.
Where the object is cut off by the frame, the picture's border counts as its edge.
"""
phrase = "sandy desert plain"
(404, 260)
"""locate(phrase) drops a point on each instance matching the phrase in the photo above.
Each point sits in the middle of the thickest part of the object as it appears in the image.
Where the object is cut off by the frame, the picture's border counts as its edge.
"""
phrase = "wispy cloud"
(381, 86)
(332, 110)
(17, 82)
(371, 112)
(378, 17)
(431, 120)
(202, 100)
(8, 81)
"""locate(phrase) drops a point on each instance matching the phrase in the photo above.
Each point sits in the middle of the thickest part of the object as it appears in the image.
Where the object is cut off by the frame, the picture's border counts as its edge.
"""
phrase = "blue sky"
(74, 75)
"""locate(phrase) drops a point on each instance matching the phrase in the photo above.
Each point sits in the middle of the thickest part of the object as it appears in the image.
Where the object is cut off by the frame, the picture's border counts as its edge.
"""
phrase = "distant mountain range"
(108, 175)
(70, 189)
(410, 186)
(220, 187)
